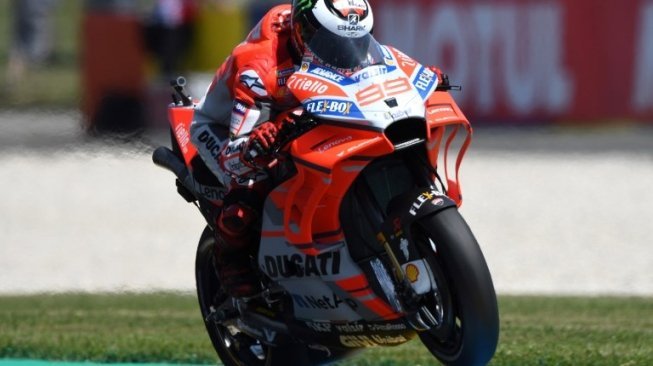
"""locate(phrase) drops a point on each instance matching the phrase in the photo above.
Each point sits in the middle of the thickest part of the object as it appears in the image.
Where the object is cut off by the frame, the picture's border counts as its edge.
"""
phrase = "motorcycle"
(362, 244)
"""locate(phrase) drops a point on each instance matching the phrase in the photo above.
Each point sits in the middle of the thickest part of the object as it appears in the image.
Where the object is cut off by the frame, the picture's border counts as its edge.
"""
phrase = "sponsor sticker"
(419, 276)
(353, 19)
(183, 137)
(386, 339)
(251, 80)
(443, 109)
(327, 74)
(240, 107)
(438, 201)
(302, 265)
(321, 327)
(352, 28)
(350, 328)
(424, 81)
(412, 273)
(210, 192)
(234, 148)
(358, 341)
(325, 302)
(209, 142)
(386, 327)
(282, 76)
(370, 73)
(333, 143)
(330, 107)
(308, 84)
(424, 197)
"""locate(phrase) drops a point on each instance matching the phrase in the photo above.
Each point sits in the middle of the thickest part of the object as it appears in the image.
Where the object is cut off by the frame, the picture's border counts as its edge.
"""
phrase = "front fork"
(412, 274)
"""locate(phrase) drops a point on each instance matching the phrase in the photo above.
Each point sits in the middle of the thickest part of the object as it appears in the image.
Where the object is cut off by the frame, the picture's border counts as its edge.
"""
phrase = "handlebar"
(446, 86)
(178, 85)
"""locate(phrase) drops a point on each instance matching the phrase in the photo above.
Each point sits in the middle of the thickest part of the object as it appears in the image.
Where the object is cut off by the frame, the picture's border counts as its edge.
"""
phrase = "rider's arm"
(225, 116)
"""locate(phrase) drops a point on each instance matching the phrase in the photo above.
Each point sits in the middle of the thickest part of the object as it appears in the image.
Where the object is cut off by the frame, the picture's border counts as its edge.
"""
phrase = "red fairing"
(180, 119)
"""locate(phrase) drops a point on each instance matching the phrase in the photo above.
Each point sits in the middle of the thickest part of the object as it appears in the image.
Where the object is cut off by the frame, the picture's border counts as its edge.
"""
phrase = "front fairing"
(374, 97)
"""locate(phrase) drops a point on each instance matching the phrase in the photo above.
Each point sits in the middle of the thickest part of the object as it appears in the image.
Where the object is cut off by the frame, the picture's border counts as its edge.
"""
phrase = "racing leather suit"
(248, 89)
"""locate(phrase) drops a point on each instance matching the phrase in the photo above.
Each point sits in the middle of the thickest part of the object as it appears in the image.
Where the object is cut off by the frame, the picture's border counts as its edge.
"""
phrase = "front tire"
(466, 299)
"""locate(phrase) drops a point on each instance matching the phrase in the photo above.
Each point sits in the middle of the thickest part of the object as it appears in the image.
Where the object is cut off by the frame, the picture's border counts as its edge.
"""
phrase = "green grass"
(168, 328)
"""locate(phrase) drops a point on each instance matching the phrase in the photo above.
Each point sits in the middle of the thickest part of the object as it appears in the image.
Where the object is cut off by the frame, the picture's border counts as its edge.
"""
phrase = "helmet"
(336, 32)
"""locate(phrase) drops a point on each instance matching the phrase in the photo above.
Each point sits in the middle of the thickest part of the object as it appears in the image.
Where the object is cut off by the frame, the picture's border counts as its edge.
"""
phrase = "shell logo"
(412, 273)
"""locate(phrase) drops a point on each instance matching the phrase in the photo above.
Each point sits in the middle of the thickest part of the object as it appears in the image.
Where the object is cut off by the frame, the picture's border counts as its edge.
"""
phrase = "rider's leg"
(237, 237)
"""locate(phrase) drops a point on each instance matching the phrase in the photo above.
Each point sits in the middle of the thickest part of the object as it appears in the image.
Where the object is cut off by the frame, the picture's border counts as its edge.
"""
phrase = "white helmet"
(336, 32)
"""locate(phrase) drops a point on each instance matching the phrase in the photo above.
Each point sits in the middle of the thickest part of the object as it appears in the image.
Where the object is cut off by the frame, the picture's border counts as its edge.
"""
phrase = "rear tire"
(466, 298)
(228, 346)
(209, 293)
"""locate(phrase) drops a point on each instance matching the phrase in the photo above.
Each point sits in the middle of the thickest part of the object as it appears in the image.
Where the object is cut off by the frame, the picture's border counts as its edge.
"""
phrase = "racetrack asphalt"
(556, 211)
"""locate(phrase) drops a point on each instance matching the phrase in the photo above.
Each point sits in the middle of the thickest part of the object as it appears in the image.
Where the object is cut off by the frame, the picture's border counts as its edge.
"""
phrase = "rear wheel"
(465, 303)
(233, 347)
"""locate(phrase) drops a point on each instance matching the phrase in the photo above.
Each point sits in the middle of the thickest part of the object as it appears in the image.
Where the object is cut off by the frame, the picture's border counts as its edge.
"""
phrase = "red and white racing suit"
(247, 90)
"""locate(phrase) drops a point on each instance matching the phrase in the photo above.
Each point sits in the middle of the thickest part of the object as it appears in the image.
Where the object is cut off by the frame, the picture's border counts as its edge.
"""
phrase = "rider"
(245, 106)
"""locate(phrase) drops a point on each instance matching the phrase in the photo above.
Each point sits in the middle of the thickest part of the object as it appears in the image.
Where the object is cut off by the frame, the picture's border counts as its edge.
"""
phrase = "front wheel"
(465, 300)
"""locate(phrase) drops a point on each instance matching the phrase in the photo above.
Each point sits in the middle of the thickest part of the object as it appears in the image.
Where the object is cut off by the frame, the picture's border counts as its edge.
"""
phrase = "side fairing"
(310, 279)
(321, 278)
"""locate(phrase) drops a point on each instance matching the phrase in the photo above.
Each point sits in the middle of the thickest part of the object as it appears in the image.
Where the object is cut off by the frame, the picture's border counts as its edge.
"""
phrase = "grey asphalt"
(556, 210)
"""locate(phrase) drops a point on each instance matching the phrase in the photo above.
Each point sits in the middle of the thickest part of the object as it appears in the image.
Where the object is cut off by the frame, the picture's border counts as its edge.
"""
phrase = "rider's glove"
(256, 153)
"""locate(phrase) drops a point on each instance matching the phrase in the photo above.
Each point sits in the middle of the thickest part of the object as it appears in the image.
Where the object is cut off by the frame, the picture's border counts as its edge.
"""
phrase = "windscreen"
(344, 54)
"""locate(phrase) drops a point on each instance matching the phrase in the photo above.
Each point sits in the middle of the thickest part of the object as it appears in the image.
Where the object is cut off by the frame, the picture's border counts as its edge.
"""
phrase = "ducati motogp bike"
(361, 242)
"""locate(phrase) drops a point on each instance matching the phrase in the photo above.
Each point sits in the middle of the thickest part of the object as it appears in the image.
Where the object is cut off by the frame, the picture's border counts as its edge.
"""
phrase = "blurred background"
(557, 183)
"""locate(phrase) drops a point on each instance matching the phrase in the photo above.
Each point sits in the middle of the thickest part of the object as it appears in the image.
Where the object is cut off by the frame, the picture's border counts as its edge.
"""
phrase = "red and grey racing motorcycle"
(362, 244)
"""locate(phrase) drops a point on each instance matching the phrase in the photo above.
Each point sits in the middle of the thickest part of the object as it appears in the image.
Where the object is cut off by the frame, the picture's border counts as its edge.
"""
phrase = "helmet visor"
(344, 54)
